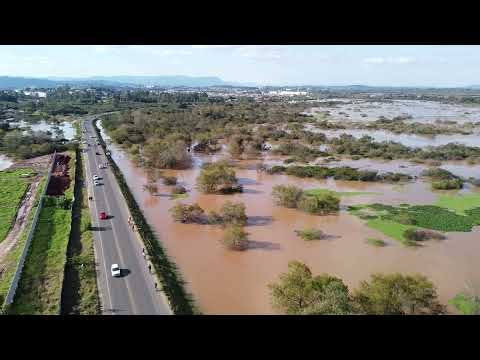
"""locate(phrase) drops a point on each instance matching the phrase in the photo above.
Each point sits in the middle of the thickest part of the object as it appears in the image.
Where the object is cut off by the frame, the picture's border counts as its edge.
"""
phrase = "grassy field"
(13, 185)
(80, 294)
(459, 203)
(40, 285)
(14, 254)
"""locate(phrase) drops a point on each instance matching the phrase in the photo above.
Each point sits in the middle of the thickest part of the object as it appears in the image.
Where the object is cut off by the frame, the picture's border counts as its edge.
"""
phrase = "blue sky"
(396, 65)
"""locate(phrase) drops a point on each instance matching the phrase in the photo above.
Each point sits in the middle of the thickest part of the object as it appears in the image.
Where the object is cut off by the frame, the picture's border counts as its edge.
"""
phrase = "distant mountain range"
(13, 82)
(7, 82)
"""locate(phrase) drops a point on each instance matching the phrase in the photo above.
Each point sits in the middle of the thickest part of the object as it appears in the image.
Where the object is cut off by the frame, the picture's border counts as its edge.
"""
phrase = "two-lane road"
(116, 243)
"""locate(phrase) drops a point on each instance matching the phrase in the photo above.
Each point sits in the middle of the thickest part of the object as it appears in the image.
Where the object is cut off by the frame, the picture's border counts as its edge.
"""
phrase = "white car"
(102, 166)
(96, 183)
(96, 177)
(115, 270)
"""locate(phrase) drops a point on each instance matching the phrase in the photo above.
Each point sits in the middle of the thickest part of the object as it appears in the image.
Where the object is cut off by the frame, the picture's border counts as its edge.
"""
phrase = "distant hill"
(10, 83)
(166, 81)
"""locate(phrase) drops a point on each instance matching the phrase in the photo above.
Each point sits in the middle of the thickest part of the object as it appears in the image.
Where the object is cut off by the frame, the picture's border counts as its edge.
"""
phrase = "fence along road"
(116, 243)
(18, 272)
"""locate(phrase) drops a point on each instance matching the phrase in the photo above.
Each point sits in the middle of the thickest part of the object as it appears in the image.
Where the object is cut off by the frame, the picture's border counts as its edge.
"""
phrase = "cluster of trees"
(18, 145)
(218, 177)
(338, 173)
(245, 144)
(443, 179)
(231, 216)
(298, 151)
(293, 197)
(366, 147)
(298, 292)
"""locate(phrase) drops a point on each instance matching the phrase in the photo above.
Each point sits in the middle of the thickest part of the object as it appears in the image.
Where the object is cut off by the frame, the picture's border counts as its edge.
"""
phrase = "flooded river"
(228, 282)
(5, 162)
(420, 111)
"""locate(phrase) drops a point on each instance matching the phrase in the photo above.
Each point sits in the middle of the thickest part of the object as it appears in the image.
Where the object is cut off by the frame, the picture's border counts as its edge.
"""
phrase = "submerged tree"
(398, 294)
(298, 292)
(217, 177)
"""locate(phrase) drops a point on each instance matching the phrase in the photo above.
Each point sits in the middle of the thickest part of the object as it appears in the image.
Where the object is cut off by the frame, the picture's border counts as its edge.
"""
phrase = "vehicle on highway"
(96, 183)
(115, 270)
(108, 153)
(102, 166)
(97, 153)
(103, 215)
(96, 177)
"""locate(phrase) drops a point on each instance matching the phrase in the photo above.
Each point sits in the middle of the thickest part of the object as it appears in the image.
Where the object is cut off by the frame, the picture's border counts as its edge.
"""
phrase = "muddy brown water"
(228, 282)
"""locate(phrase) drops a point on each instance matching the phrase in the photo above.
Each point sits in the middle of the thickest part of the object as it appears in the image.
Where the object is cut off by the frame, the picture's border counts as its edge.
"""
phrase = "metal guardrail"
(18, 272)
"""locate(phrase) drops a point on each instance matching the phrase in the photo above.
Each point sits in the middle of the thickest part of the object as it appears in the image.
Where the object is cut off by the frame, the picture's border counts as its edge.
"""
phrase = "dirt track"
(60, 180)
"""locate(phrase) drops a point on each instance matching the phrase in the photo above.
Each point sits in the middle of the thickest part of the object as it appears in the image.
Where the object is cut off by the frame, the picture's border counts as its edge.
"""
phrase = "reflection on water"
(228, 282)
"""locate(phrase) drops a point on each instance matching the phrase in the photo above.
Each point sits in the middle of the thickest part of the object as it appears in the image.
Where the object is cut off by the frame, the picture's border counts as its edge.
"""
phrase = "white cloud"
(35, 59)
(389, 60)
(254, 52)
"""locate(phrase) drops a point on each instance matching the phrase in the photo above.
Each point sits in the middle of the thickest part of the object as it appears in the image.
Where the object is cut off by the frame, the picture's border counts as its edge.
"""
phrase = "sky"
(377, 65)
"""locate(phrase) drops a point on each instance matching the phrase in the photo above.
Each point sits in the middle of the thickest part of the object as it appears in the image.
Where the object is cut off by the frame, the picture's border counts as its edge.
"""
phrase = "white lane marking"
(100, 234)
(116, 238)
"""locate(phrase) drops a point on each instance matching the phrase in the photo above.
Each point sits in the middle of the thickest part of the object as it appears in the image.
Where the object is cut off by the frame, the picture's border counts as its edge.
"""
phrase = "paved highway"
(115, 242)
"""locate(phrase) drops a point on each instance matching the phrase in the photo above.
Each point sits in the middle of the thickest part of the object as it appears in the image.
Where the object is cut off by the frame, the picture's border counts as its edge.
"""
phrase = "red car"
(103, 216)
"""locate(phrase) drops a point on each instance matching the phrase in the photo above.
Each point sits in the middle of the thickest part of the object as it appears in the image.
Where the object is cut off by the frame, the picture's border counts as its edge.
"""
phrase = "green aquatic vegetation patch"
(392, 229)
(459, 203)
(393, 221)
(466, 304)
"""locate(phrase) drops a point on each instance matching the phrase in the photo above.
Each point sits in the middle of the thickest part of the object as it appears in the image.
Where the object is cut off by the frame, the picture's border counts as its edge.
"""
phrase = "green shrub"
(447, 184)
(187, 213)
(376, 242)
(286, 195)
(217, 177)
(319, 204)
(235, 238)
(310, 234)
(170, 180)
(233, 213)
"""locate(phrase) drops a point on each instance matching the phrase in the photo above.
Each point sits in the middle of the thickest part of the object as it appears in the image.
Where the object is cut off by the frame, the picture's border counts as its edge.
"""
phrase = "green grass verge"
(40, 286)
(172, 283)
(13, 256)
(13, 185)
(80, 293)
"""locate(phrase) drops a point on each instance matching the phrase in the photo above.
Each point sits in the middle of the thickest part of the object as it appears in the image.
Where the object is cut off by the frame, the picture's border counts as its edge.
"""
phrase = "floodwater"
(5, 162)
(421, 111)
(66, 127)
(229, 282)
(411, 140)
